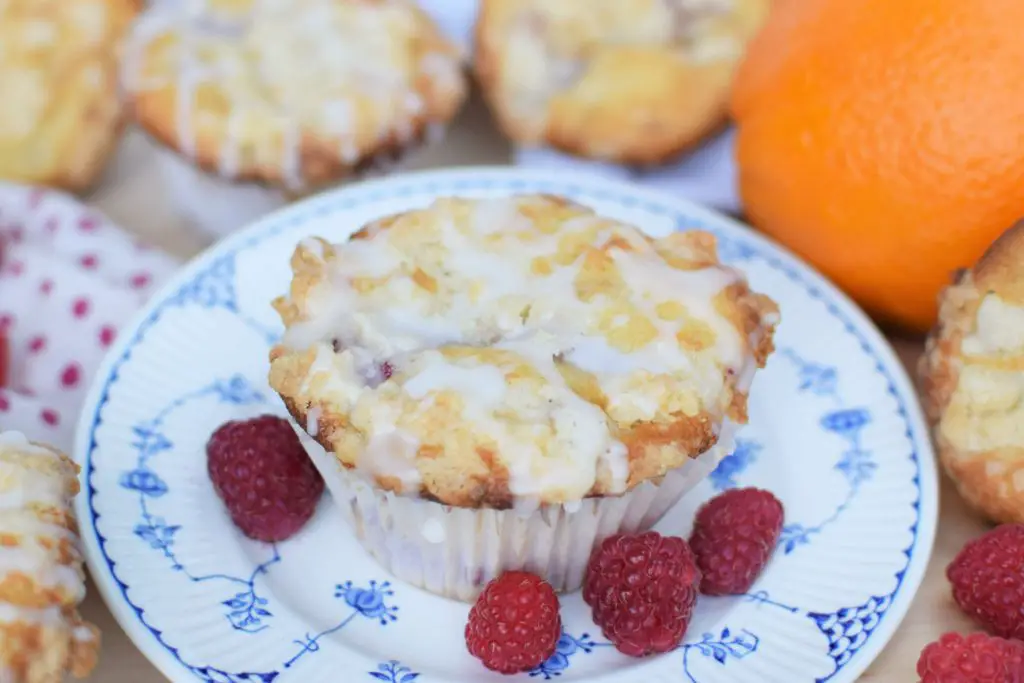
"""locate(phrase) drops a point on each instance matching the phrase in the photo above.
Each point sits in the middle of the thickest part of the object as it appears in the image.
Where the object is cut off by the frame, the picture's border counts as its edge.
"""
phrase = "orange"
(883, 140)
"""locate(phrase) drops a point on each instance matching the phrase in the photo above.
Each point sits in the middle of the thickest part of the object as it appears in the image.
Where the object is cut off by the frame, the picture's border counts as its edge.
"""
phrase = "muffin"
(502, 383)
(257, 103)
(972, 376)
(630, 81)
(61, 118)
(42, 636)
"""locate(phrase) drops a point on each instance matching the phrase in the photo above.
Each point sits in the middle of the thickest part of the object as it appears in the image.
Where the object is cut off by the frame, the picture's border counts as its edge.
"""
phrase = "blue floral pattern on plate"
(154, 525)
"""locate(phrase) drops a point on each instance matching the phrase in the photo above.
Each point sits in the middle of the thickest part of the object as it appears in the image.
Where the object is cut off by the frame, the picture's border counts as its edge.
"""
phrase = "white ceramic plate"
(835, 432)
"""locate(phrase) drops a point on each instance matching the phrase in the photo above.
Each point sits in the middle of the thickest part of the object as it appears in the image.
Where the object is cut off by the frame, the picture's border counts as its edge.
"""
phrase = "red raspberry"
(641, 590)
(977, 658)
(514, 625)
(988, 580)
(733, 537)
(264, 476)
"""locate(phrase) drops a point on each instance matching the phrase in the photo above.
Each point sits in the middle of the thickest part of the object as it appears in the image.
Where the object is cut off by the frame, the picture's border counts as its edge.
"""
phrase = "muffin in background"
(502, 383)
(60, 118)
(631, 81)
(257, 103)
(972, 376)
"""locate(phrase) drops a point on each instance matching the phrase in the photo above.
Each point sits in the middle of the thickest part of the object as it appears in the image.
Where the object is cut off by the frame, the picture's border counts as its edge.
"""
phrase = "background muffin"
(634, 81)
(60, 119)
(522, 355)
(973, 380)
(289, 96)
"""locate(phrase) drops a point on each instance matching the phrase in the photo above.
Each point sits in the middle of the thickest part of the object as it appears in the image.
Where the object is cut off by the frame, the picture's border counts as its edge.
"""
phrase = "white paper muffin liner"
(455, 552)
(214, 206)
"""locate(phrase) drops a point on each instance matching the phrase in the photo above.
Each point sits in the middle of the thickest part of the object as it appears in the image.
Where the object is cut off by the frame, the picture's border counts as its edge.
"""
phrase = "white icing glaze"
(83, 634)
(10, 614)
(999, 328)
(313, 421)
(15, 439)
(392, 454)
(481, 259)
(484, 383)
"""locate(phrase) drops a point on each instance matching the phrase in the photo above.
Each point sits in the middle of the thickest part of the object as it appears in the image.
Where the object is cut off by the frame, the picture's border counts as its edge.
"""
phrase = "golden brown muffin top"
(294, 93)
(60, 114)
(635, 81)
(483, 352)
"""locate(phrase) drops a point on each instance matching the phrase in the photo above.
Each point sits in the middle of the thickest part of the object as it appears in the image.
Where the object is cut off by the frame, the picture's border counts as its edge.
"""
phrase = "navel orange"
(883, 140)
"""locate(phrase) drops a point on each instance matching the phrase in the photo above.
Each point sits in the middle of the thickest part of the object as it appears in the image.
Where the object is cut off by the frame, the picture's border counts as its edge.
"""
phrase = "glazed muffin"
(61, 117)
(502, 383)
(972, 376)
(275, 99)
(42, 636)
(632, 81)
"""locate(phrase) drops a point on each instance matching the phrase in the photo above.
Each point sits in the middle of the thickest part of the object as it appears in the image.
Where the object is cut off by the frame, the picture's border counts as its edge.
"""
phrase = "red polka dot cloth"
(68, 279)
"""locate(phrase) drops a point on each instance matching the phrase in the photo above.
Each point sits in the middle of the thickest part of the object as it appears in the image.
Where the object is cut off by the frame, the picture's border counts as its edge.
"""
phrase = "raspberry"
(641, 590)
(988, 580)
(514, 625)
(977, 658)
(264, 476)
(733, 537)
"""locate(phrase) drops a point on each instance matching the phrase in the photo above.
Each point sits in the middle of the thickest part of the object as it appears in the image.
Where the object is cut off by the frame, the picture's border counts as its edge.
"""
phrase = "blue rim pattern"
(848, 629)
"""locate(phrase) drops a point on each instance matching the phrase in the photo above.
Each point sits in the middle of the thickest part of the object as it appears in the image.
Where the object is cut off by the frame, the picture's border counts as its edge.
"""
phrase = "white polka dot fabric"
(69, 279)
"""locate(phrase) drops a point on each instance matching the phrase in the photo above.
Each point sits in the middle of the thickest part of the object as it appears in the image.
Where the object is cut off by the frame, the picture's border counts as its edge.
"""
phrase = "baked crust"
(632, 81)
(972, 377)
(292, 94)
(482, 352)
(42, 636)
(61, 116)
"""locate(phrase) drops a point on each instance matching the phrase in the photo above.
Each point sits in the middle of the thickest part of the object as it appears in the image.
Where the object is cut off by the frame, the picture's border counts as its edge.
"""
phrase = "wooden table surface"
(132, 196)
